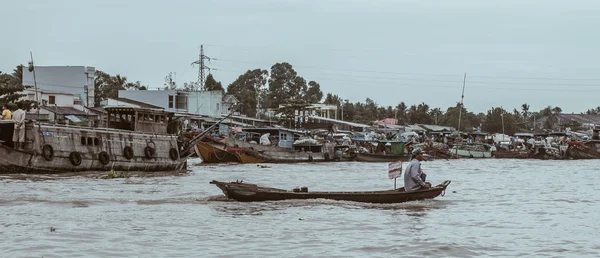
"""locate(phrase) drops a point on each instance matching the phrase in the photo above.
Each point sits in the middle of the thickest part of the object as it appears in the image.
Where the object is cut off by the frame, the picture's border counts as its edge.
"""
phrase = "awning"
(73, 118)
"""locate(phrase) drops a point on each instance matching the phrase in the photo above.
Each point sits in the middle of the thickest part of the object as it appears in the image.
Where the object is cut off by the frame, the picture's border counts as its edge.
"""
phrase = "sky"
(539, 52)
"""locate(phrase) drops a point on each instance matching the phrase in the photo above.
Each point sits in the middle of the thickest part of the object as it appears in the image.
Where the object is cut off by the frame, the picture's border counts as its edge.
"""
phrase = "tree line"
(260, 89)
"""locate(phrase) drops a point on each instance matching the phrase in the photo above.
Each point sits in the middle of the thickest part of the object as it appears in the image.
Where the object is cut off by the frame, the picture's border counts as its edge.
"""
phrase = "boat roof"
(116, 109)
(271, 129)
(524, 134)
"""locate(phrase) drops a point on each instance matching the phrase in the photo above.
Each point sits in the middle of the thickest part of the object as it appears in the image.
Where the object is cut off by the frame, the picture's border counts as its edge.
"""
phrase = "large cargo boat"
(129, 139)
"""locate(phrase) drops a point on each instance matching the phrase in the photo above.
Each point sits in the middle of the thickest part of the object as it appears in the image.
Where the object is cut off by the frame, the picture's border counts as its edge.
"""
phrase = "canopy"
(73, 118)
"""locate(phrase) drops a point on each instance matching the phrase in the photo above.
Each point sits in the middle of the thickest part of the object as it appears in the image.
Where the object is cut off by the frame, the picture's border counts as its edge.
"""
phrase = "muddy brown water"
(492, 207)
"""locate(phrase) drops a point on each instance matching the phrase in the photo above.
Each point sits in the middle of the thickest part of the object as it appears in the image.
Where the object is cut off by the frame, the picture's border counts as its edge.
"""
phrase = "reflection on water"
(492, 208)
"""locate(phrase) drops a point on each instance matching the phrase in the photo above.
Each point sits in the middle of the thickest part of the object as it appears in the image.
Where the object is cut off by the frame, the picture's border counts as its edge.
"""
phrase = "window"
(171, 101)
(52, 100)
(83, 140)
(217, 106)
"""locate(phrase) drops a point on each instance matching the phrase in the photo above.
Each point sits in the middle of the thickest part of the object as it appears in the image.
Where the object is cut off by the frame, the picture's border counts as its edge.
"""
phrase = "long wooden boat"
(371, 157)
(245, 192)
(512, 154)
(277, 154)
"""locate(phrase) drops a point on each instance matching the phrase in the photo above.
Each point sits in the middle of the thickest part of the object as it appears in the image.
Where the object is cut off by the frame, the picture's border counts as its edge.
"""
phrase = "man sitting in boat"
(414, 178)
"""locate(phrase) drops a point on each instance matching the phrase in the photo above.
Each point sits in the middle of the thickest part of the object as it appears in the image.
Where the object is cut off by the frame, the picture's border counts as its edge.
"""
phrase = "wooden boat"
(473, 150)
(244, 192)
(583, 150)
(242, 156)
(394, 151)
(512, 154)
(129, 139)
(371, 157)
(211, 151)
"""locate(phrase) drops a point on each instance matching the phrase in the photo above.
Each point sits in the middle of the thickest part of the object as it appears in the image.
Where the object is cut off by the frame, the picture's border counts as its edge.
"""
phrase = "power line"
(413, 83)
(418, 74)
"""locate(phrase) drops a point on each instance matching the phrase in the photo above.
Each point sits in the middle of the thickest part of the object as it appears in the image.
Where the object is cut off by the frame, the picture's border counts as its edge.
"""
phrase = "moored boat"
(371, 157)
(134, 139)
(211, 151)
(245, 192)
(473, 150)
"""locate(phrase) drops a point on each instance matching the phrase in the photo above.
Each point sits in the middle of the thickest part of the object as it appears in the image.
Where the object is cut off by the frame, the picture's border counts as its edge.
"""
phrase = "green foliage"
(499, 120)
(114, 174)
(314, 93)
(285, 86)
(331, 99)
(593, 111)
(106, 86)
(248, 89)
(10, 90)
(212, 84)
(419, 114)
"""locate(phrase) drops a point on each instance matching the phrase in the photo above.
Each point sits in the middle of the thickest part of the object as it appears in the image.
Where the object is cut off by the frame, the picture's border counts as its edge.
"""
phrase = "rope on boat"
(217, 156)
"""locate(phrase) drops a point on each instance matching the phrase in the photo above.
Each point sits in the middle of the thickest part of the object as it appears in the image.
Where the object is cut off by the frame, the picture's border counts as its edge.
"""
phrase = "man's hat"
(417, 151)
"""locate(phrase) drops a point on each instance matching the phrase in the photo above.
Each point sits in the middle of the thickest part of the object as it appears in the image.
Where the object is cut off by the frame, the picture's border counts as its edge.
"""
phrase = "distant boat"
(395, 152)
(473, 150)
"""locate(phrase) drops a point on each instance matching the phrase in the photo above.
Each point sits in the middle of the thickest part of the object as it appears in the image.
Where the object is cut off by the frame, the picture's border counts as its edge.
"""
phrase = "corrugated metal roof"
(341, 122)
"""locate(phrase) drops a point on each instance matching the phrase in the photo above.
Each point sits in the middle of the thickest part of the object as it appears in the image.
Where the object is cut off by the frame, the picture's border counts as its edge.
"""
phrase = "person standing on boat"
(19, 134)
(414, 178)
(6, 114)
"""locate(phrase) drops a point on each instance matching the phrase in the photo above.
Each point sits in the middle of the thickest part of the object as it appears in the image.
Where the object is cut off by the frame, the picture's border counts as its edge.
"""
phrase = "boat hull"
(512, 155)
(252, 193)
(213, 153)
(369, 157)
(82, 149)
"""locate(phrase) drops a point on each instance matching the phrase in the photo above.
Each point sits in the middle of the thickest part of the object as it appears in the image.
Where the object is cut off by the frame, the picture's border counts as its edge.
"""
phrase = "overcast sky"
(540, 52)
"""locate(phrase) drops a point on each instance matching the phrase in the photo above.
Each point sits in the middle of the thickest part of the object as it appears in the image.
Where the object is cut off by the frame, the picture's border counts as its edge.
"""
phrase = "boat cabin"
(141, 120)
(284, 137)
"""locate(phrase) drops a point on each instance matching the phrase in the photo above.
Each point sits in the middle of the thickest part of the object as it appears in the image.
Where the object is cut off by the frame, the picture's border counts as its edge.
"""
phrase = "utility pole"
(201, 68)
(462, 96)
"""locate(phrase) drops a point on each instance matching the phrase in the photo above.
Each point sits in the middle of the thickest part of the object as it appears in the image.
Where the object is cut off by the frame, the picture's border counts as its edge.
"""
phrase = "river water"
(492, 207)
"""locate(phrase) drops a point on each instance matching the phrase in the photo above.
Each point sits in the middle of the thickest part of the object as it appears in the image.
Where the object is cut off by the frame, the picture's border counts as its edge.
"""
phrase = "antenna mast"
(201, 68)
(462, 96)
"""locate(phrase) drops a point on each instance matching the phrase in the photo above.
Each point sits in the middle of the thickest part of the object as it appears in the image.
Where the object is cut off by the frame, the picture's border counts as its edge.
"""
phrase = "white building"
(55, 106)
(208, 103)
(77, 80)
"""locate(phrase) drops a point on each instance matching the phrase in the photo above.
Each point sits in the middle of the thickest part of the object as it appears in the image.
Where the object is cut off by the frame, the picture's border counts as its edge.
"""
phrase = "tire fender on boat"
(75, 158)
(149, 152)
(310, 158)
(128, 152)
(326, 156)
(104, 158)
(48, 152)
(173, 154)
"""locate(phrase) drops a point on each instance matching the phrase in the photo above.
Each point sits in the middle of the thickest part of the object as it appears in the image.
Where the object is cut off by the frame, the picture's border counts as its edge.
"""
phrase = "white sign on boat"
(394, 169)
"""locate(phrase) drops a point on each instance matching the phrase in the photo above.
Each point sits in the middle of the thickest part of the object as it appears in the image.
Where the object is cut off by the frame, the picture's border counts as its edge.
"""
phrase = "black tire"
(48, 152)
(149, 152)
(104, 158)
(173, 154)
(128, 152)
(310, 158)
(326, 156)
(75, 158)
